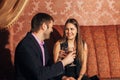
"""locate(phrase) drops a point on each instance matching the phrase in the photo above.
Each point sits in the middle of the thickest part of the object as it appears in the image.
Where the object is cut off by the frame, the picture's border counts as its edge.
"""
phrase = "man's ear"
(44, 26)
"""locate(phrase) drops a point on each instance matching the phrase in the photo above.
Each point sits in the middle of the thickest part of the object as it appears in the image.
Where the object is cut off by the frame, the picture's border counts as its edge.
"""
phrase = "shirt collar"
(40, 42)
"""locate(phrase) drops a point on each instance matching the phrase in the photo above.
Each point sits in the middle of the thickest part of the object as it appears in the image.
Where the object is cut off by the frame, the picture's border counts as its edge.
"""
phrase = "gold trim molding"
(10, 11)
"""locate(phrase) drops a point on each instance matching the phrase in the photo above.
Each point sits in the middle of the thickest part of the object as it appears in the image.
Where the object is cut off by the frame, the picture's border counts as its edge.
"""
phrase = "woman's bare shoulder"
(57, 43)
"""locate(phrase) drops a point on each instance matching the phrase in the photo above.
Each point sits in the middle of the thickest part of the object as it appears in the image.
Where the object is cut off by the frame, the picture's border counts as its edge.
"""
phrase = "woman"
(72, 39)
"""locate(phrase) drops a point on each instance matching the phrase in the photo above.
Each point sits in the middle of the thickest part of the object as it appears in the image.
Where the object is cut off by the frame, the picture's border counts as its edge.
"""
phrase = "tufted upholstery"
(104, 49)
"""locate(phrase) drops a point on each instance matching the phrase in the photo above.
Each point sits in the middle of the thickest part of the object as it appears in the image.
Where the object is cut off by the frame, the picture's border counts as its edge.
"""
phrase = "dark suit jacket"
(29, 64)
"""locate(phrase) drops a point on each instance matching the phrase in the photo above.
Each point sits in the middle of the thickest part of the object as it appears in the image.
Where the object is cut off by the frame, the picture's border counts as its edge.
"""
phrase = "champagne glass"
(67, 51)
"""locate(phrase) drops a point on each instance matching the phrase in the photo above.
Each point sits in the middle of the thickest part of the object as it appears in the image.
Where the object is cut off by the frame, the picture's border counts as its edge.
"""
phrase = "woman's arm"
(56, 51)
(84, 62)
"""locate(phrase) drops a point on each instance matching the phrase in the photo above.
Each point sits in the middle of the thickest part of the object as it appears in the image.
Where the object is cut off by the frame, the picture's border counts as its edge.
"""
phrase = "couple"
(32, 61)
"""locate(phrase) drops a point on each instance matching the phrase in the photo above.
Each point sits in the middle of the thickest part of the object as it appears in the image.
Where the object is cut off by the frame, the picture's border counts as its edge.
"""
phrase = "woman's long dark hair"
(78, 40)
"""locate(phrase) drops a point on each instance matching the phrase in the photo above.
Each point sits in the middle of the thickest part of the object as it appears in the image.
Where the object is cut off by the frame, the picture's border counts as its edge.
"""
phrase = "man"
(32, 61)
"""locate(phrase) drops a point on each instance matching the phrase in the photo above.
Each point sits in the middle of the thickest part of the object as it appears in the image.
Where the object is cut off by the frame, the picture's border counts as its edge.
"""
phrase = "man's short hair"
(39, 19)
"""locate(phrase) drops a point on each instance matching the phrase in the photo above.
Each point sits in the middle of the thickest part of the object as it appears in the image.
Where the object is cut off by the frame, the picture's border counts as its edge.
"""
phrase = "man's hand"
(69, 58)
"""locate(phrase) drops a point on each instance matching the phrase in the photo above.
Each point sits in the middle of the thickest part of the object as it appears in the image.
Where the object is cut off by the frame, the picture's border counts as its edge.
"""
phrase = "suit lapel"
(36, 46)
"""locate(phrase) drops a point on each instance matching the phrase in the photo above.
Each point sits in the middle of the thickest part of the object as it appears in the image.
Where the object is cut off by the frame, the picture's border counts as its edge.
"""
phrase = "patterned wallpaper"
(87, 12)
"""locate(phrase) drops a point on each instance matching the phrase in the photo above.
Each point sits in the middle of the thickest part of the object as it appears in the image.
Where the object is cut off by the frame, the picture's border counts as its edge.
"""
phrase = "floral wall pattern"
(87, 12)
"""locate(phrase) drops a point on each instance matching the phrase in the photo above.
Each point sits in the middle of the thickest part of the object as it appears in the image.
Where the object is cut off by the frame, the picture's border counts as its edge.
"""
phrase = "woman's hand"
(79, 78)
(62, 54)
(68, 78)
(71, 78)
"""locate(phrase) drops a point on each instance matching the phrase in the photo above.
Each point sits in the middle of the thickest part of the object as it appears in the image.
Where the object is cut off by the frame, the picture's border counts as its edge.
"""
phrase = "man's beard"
(46, 35)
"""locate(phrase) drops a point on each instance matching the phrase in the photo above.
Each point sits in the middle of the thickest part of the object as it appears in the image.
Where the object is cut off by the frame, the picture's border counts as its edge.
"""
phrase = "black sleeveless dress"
(71, 71)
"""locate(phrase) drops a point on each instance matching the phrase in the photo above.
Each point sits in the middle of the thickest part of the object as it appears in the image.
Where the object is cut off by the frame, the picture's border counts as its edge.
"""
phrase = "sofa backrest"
(104, 48)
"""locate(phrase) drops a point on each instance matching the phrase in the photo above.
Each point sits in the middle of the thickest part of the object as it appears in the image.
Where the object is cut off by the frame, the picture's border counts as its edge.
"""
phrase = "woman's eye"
(72, 29)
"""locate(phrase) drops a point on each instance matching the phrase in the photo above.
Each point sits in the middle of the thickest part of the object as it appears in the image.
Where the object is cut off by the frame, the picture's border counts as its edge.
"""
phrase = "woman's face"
(70, 31)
